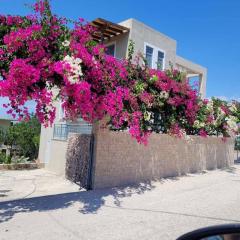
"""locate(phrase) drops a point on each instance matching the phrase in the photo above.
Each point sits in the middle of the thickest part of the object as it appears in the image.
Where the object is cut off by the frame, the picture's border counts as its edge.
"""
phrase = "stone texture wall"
(78, 157)
(119, 160)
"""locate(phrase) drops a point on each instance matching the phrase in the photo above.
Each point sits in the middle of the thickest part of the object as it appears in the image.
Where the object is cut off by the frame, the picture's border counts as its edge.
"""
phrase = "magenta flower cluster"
(43, 60)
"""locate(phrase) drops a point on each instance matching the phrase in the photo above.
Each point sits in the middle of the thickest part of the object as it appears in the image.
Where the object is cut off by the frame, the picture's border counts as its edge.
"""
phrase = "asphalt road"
(152, 210)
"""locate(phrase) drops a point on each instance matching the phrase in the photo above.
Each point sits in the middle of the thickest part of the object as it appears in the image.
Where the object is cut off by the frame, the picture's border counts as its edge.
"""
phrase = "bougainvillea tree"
(217, 117)
(43, 60)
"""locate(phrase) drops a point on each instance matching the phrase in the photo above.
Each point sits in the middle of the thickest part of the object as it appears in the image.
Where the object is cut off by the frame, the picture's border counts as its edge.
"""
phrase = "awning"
(106, 30)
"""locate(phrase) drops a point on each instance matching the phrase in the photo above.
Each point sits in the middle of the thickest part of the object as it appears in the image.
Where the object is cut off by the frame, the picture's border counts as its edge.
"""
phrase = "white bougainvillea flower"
(76, 69)
(232, 123)
(232, 107)
(164, 95)
(66, 43)
(147, 116)
(198, 124)
(210, 105)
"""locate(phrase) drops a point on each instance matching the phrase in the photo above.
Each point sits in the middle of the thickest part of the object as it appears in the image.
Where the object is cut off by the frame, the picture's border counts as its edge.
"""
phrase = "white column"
(202, 85)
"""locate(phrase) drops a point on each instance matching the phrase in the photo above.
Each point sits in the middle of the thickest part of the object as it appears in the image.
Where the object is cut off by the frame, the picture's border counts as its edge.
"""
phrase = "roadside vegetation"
(21, 140)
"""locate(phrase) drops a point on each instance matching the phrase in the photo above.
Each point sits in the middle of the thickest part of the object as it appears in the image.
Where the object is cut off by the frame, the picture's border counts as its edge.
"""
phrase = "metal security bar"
(61, 131)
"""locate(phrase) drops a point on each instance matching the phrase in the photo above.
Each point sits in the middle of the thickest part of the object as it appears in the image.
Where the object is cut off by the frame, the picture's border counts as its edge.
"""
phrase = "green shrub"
(5, 159)
(20, 159)
(237, 143)
(26, 136)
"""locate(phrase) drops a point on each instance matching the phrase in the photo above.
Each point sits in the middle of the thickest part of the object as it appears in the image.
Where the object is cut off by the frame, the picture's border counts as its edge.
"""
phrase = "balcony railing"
(61, 131)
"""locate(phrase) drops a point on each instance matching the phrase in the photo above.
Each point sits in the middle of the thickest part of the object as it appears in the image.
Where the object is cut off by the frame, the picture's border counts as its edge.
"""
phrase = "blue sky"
(207, 31)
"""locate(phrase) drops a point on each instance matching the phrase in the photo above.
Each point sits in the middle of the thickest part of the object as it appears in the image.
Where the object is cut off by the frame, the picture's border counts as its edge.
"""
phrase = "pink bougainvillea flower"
(203, 133)
(42, 60)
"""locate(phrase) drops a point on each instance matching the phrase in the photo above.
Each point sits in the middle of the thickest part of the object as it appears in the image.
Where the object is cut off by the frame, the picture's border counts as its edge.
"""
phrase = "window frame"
(163, 60)
(155, 55)
(147, 45)
(114, 44)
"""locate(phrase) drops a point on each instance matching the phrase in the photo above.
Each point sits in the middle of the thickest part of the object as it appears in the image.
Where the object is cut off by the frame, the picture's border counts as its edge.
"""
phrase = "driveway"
(151, 210)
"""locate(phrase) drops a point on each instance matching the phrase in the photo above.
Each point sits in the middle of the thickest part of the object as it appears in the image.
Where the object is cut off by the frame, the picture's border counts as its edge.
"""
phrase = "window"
(149, 56)
(194, 82)
(160, 60)
(110, 50)
(155, 57)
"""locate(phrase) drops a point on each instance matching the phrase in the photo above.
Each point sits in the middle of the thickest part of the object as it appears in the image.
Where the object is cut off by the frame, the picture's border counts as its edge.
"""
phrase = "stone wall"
(119, 160)
(78, 159)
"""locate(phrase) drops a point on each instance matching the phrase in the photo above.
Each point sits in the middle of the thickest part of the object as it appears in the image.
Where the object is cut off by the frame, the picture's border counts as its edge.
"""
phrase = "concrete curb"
(21, 166)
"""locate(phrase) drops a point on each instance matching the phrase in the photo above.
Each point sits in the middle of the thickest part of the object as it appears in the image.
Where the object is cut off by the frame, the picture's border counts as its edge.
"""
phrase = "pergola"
(105, 30)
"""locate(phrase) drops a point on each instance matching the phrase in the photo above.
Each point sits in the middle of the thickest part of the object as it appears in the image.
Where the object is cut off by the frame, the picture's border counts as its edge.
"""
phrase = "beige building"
(160, 51)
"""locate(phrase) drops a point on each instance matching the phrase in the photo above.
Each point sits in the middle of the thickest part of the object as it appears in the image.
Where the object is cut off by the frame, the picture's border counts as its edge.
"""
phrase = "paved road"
(32, 183)
(157, 210)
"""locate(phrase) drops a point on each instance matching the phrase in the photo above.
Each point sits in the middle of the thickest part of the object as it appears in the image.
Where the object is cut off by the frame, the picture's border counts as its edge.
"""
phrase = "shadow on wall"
(91, 200)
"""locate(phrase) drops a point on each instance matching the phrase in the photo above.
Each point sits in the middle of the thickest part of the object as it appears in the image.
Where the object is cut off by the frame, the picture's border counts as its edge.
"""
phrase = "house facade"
(160, 52)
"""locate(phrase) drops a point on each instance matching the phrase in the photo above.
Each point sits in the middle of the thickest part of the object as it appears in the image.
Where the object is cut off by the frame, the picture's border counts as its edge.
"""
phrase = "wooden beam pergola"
(106, 29)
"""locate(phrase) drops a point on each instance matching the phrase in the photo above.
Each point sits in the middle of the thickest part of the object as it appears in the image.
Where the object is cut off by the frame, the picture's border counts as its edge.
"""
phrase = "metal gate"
(79, 159)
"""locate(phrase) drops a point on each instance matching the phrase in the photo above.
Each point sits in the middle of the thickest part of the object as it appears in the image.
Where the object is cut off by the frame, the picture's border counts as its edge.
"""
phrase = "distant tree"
(2, 135)
(237, 104)
(238, 111)
(237, 140)
(237, 143)
(26, 136)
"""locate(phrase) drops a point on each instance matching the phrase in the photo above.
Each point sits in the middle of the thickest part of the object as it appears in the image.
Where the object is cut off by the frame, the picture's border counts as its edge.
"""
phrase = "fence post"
(90, 164)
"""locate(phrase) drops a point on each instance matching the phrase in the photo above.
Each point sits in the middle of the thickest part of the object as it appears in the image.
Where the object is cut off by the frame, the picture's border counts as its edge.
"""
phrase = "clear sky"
(207, 31)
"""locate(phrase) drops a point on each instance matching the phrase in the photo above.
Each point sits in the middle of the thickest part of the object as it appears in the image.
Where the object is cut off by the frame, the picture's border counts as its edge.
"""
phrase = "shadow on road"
(91, 200)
